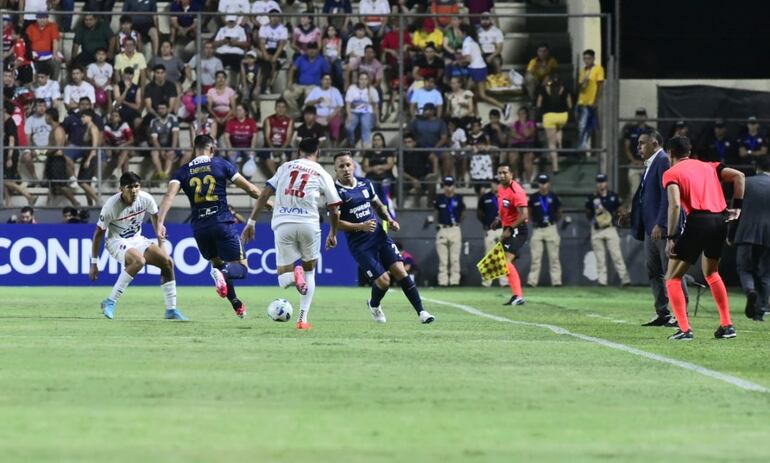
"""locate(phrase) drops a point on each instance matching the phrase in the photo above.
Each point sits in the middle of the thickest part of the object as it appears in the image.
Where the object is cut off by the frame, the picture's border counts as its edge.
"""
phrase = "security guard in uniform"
(449, 211)
(486, 212)
(601, 208)
(544, 212)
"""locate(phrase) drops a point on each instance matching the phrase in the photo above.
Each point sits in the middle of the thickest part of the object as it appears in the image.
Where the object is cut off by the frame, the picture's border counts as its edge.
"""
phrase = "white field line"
(738, 382)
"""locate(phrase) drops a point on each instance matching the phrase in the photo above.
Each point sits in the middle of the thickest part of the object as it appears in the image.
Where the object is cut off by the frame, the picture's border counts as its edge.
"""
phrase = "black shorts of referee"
(704, 232)
(517, 239)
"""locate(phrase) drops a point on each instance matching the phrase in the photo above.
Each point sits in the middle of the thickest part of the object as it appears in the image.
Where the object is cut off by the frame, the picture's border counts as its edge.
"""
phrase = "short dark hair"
(126, 19)
(27, 209)
(494, 112)
(313, 46)
(39, 100)
(84, 98)
(589, 52)
(88, 112)
(129, 178)
(280, 100)
(679, 147)
(308, 146)
(158, 67)
(360, 26)
(202, 141)
(69, 210)
(505, 164)
(53, 112)
(543, 45)
(216, 74)
(341, 154)
(309, 109)
(654, 134)
(409, 135)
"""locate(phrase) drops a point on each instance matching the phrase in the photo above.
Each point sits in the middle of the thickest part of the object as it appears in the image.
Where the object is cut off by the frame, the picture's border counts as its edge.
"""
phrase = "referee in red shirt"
(512, 204)
(696, 187)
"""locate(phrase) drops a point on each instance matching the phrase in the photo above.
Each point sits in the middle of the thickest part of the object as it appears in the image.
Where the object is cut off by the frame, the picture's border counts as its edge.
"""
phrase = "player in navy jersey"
(204, 181)
(360, 214)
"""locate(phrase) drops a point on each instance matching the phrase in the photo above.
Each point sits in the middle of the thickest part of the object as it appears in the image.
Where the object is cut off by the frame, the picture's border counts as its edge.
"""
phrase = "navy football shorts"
(219, 240)
(377, 259)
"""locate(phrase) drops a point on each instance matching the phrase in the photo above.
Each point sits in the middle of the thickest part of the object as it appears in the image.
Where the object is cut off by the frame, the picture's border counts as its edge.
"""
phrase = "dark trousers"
(655, 257)
(754, 271)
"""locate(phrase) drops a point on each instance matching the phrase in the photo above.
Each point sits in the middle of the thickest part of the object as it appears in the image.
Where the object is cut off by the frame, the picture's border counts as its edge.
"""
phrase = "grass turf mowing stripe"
(735, 381)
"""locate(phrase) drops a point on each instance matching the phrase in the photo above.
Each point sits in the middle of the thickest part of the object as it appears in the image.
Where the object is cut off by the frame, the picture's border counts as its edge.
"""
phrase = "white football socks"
(120, 286)
(306, 299)
(286, 279)
(169, 291)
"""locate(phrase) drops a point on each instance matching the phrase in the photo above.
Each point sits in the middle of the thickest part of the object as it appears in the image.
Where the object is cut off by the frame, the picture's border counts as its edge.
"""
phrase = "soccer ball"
(280, 310)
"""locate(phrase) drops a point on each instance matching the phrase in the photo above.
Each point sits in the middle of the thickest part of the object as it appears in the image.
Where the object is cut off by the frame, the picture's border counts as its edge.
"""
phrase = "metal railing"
(609, 101)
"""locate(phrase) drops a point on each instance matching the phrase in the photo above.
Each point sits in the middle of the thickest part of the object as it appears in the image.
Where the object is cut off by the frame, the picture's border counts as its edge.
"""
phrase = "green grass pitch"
(76, 387)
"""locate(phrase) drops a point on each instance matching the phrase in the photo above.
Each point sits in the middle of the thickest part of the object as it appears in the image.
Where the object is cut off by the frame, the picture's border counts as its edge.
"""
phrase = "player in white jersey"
(121, 219)
(298, 186)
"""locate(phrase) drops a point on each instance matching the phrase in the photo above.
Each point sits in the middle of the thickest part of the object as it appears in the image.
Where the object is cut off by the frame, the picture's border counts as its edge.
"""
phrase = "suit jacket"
(650, 204)
(754, 223)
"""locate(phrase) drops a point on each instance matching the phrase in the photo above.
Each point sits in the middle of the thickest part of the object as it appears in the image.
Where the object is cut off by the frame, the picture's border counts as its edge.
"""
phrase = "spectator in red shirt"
(117, 133)
(390, 55)
(696, 187)
(513, 216)
(21, 55)
(240, 132)
(46, 45)
(476, 8)
(279, 131)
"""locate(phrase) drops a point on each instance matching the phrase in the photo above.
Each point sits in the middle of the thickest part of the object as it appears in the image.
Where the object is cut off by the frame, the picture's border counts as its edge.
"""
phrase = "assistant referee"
(696, 187)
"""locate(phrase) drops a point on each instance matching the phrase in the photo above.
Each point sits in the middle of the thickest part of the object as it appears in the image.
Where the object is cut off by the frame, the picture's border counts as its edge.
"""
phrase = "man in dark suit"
(753, 241)
(649, 219)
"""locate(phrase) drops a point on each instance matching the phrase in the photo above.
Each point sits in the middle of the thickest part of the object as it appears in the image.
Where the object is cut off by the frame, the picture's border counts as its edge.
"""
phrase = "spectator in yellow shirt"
(426, 34)
(539, 67)
(591, 79)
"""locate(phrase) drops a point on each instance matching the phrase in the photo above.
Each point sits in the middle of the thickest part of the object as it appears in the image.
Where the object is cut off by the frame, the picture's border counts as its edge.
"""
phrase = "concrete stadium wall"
(585, 33)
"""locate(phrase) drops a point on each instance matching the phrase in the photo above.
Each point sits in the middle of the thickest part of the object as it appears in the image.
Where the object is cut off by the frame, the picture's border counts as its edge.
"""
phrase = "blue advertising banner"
(60, 255)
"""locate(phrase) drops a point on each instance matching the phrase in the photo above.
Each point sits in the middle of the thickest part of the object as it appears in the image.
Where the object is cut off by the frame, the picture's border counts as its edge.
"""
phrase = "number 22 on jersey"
(294, 189)
(198, 184)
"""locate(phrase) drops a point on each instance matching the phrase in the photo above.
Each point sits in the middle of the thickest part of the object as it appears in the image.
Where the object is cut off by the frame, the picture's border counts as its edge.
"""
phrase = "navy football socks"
(411, 293)
(377, 295)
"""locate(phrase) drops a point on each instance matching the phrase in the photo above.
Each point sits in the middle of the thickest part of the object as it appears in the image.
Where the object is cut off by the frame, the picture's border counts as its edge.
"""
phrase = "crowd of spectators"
(135, 87)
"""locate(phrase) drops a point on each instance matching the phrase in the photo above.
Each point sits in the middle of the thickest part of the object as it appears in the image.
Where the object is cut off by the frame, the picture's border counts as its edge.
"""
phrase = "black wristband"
(737, 203)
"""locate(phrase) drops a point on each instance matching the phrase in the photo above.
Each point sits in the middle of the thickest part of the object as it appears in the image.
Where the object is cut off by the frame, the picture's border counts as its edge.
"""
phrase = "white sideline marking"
(738, 382)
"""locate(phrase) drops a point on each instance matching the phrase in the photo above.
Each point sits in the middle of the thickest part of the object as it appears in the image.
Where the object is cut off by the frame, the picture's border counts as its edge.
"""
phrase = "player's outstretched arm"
(248, 231)
(248, 187)
(738, 180)
(165, 206)
(96, 246)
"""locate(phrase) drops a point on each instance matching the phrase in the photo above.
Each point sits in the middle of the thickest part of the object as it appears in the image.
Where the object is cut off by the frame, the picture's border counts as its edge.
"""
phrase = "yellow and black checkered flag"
(493, 265)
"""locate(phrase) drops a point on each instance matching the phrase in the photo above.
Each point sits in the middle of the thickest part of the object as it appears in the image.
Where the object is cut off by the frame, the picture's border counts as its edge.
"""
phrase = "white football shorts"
(295, 241)
(117, 247)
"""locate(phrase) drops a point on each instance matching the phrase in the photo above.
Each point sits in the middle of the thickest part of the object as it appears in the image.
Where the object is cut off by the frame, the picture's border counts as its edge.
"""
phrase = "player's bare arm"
(334, 215)
(154, 221)
(248, 231)
(674, 209)
(382, 211)
(165, 206)
(96, 246)
(738, 179)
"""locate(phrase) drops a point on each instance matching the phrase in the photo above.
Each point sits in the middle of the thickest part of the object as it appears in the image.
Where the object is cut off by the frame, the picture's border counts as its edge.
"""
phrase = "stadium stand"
(235, 41)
